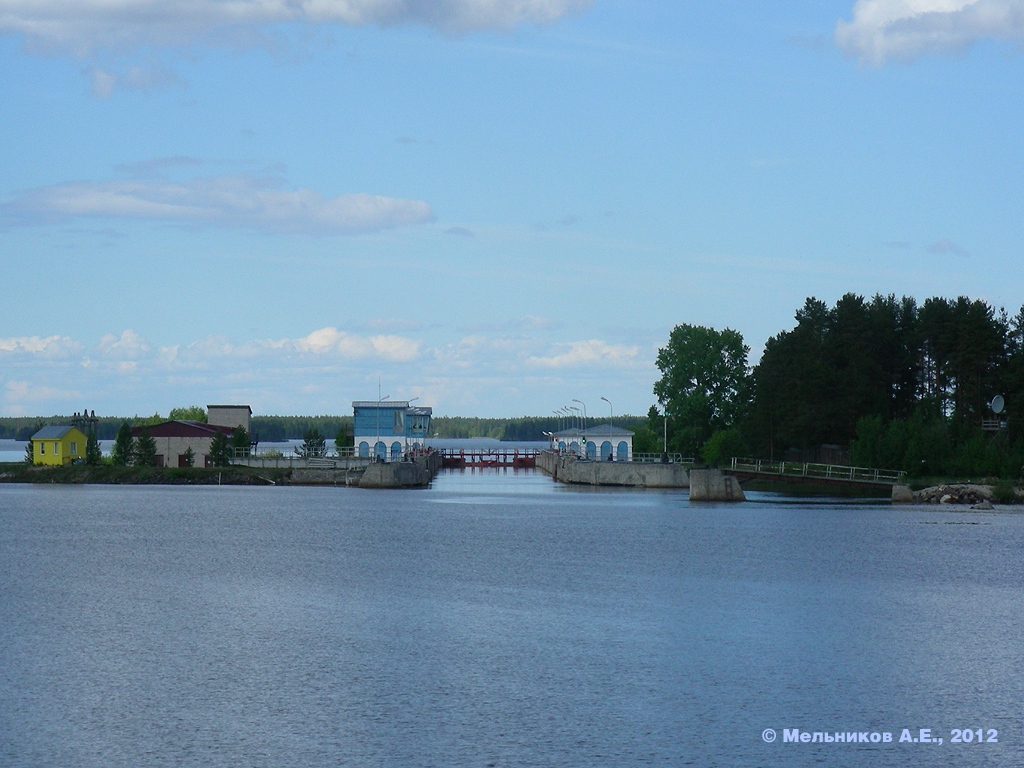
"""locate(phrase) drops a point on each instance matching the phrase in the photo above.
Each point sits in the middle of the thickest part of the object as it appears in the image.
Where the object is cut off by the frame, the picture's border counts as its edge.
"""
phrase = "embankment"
(569, 469)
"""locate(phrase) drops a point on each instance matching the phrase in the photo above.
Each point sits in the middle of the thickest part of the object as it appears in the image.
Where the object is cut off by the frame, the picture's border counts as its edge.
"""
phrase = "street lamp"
(379, 401)
(611, 413)
(405, 437)
(584, 412)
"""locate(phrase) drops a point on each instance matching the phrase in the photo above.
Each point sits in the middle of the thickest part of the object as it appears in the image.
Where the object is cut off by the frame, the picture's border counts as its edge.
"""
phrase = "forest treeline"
(276, 428)
(882, 382)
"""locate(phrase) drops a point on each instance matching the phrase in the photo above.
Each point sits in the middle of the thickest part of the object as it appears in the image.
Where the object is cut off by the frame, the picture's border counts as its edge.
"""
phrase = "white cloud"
(885, 30)
(136, 79)
(49, 346)
(233, 201)
(83, 25)
(587, 353)
(947, 246)
(332, 341)
(128, 346)
(26, 392)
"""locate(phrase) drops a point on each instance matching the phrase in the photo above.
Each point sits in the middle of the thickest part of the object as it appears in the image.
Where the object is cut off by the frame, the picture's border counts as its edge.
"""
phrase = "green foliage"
(188, 413)
(1004, 493)
(703, 384)
(722, 446)
(93, 454)
(147, 421)
(122, 452)
(145, 450)
(314, 445)
(240, 438)
(343, 439)
(189, 457)
(30, 456)
(278, 428)
(220, 450)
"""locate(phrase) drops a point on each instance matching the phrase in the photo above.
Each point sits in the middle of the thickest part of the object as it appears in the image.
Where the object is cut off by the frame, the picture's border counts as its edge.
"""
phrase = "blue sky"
(497, 206)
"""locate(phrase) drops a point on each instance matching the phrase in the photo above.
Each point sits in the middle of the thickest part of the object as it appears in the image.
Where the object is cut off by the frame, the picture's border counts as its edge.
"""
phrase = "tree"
(220, 450)
(189, 457)
(30, 456)
(240, 441)
(188, 413)
(314, 444)
(703, 383)
(342, 440)
(145, 450)
(122, 452)
(147, 421)
(93, 454)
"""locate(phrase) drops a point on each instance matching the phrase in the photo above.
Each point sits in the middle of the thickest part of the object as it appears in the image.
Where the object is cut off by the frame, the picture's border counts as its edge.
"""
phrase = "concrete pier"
(712, 485)
(402, 474)
(569, 469)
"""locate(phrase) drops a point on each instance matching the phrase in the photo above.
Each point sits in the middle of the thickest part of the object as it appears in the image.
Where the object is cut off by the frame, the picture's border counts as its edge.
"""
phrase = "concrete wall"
(229, 416)
(340, 462)
(567, 469)
(712, 485)
(303, 476)
(173, 447)
(402, 474)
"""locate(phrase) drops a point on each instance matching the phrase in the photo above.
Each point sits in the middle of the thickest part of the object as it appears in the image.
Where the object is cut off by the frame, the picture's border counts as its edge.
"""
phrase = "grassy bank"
(111, 475)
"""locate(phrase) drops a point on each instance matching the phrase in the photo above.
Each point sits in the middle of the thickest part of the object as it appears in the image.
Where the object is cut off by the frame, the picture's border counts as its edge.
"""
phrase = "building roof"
(51, 433)
(230, 406)
(598, 430)
(182, 429)
(392, 404)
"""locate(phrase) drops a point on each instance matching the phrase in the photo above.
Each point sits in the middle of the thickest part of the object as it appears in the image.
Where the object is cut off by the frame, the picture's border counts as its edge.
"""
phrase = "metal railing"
(819, 471)
(656, 458)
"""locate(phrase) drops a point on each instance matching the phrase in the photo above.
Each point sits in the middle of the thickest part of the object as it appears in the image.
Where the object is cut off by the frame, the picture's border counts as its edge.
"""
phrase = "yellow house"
(58, 445)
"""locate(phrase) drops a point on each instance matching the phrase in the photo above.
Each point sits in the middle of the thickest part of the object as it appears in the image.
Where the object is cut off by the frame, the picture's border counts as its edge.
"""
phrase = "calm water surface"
(497, 619)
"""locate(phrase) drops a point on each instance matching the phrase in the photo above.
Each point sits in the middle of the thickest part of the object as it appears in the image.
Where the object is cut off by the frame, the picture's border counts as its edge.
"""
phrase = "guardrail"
(819, 471)
(657, 458)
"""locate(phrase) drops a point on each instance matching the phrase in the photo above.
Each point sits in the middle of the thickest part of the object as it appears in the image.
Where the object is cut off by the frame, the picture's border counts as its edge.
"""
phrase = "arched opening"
(396, 450)
(364, 449)
(561, 446)
(606, 451)
(380, 450)
(591, 449)
(574, 447)
(622, 451)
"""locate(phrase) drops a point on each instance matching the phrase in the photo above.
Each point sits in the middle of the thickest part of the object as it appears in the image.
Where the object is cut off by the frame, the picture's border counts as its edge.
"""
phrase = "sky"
(496, 206)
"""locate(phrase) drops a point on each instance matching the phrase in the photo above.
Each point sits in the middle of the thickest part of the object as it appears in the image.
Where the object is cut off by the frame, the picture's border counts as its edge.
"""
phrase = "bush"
(1004, 493)
(723, 445)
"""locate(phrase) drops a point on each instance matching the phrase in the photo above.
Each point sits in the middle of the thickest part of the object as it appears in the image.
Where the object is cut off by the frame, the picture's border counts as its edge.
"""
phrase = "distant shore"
(111, 475)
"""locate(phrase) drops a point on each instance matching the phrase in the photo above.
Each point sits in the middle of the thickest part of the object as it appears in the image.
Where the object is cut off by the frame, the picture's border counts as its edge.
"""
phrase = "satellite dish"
(997, 404)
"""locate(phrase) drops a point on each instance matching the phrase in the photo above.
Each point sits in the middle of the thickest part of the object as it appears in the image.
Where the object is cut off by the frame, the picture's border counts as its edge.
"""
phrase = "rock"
(901, 494)
(982, 505)
(947, 499)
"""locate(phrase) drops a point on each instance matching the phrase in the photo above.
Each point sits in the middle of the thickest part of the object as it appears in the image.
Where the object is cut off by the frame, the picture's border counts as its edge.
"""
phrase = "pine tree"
(93, 454)
(123, 450)
(240, 441)
(220, 451)
(314, 444)
(145, 450)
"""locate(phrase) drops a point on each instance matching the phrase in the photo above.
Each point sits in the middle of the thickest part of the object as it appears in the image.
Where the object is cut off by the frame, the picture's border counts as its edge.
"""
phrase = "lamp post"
(583, 436)
(405, 437)
(584, 412)
(379, 401)
(611, 412)
(611, 418)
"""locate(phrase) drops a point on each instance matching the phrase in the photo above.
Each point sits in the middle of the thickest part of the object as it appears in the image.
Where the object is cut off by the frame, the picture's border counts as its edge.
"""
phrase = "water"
(498, 619)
